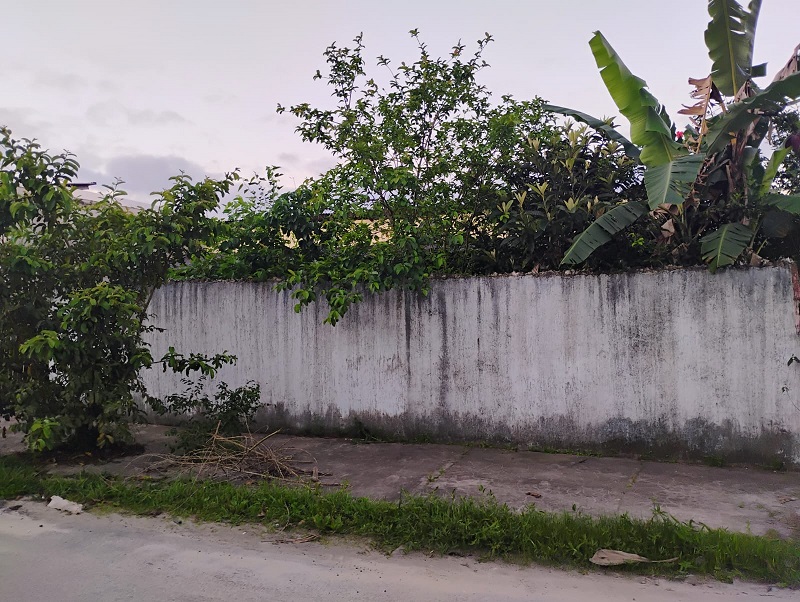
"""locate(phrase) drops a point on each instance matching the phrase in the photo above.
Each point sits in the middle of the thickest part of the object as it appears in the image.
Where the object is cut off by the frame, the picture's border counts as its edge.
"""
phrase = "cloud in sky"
(25, 122)
(288, 159)
(111, 112)
(59, 80)
(201, 82)
(142, 174)
(318, 166)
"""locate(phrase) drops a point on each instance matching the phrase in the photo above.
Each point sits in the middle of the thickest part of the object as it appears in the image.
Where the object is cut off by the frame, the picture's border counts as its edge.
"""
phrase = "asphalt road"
(48, 555)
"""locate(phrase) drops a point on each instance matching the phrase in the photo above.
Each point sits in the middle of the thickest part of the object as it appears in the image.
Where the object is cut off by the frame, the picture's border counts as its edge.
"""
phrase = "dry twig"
(245, 457)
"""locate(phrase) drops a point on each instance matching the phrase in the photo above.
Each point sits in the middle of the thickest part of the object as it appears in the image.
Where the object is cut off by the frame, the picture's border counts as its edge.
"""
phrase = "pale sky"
(140, 89)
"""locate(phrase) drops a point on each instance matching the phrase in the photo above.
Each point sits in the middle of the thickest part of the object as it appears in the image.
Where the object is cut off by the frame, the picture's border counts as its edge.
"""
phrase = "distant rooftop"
(88, 196)
(83, 185)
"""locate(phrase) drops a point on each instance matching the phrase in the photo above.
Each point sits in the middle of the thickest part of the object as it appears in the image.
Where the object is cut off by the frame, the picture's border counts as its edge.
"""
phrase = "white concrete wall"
(670, 363)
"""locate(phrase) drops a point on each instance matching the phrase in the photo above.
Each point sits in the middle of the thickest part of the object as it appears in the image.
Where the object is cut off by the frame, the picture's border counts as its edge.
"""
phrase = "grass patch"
(479, 526)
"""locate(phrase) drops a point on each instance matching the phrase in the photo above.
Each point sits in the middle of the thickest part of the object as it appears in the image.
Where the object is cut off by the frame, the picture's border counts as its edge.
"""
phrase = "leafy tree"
(417, 172)
(262, 234)
(432, 178)
(77, 280)
(565, 180)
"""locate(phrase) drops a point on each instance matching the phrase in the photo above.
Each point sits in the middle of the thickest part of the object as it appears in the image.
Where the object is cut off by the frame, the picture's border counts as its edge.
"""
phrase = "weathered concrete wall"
(672, 363)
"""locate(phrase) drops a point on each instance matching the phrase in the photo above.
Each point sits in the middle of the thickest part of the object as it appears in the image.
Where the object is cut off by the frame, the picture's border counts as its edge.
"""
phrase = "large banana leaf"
(790, 203)
(651, 127)
(723, 246)
(601, 126)
(771, 170)
(601, 231)
(741, 114)
(778, 224)
(670, 182)
(729, 37)
(781, 221)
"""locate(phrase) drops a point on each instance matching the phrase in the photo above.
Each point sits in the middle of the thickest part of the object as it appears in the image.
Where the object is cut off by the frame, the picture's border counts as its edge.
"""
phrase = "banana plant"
(718, 163)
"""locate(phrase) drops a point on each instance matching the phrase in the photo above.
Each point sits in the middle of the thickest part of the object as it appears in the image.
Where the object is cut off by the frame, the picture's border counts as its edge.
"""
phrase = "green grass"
(480, 526)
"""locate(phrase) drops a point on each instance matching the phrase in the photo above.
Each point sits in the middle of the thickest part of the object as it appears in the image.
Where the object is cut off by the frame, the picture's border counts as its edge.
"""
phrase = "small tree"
(433, 177)
(77, 281)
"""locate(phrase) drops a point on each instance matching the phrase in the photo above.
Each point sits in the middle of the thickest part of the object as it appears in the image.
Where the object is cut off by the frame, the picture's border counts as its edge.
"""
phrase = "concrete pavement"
(739, 499)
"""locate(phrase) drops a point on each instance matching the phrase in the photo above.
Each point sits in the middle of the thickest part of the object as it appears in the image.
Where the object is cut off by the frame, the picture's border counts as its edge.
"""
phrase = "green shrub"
(228, 412)
(77, 280)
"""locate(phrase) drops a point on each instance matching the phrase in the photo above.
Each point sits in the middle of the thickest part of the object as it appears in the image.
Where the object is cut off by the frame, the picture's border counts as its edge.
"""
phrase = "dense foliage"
(76, 283)
(435, 178)
(709, 187)
(432, 179)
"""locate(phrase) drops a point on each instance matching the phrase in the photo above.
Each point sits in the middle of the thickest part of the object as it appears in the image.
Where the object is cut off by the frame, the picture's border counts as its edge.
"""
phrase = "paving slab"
(376, 470)
(553, 482)
(740, 499)
(10, 443)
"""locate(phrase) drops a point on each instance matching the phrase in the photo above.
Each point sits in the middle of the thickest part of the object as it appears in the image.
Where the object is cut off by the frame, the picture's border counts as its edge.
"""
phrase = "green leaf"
(758, 70)
(723, 246)
(778, 224)
(729, 37)
(16, 206)
(771, 171)
(602, 230)
(740, 115)
(784, 202)
(752, 166)
(651, 127)
(670, 182)
(598, 124)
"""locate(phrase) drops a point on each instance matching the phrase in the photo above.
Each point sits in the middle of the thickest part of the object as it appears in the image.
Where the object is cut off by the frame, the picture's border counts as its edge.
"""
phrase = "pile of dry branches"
(246, 458)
